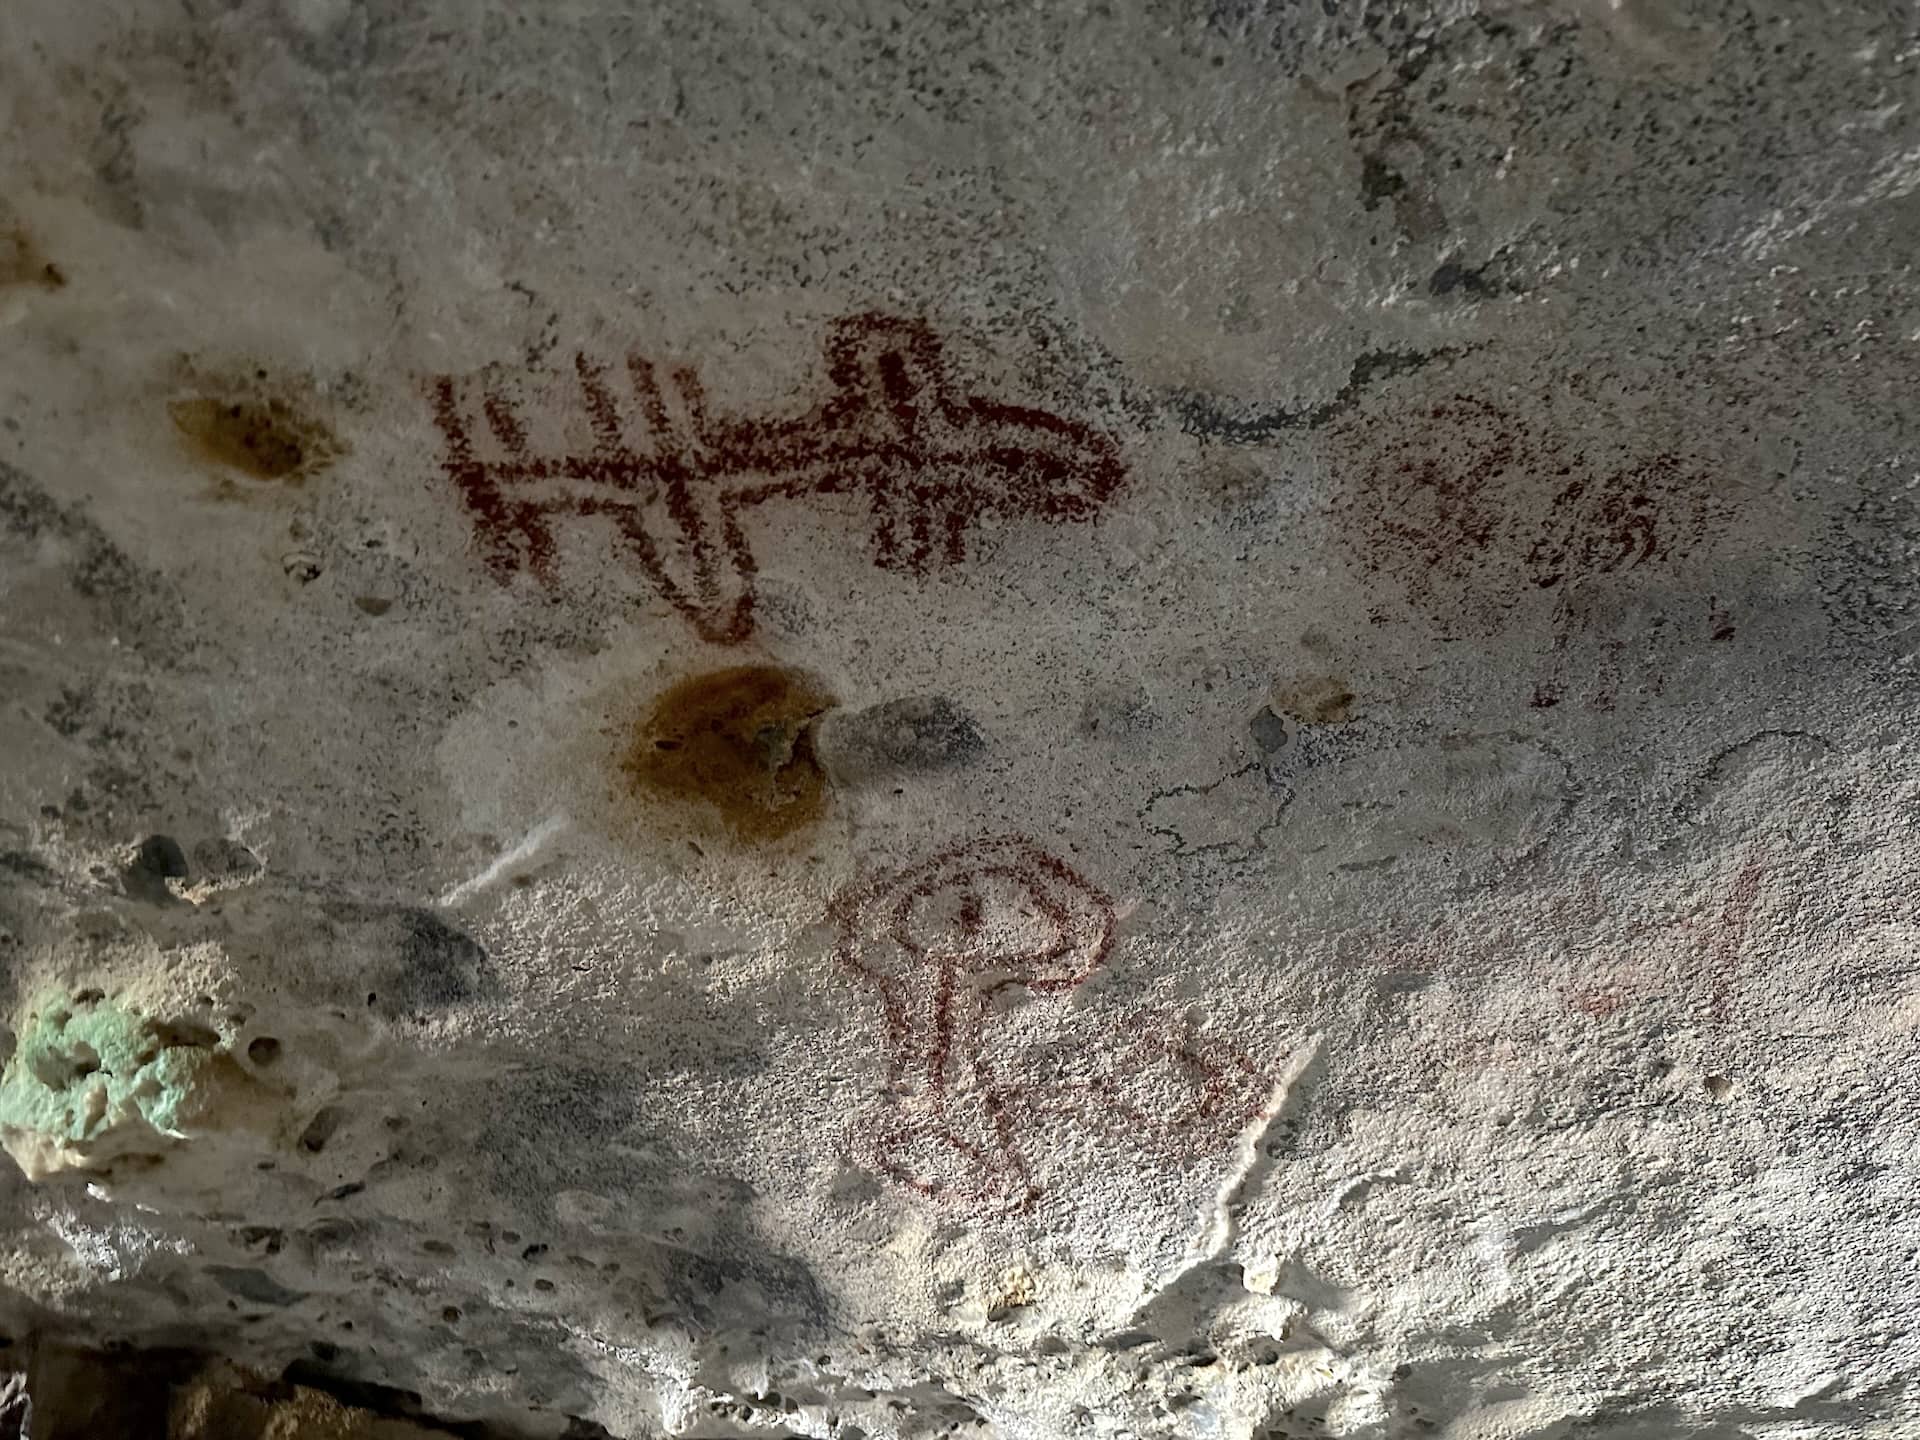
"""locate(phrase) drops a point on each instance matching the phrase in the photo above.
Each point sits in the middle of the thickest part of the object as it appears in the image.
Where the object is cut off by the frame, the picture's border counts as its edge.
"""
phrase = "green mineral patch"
(91, 1083)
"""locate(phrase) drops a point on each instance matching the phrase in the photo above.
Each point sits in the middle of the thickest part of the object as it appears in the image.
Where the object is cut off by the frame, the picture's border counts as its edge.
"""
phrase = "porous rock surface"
(1187, 718)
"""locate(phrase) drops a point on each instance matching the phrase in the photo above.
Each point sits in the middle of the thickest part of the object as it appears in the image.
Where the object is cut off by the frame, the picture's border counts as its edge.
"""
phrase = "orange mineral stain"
(735, 746)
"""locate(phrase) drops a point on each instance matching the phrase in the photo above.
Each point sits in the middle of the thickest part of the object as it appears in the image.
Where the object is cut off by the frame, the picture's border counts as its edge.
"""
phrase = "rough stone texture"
(1168, 719)
(79, 1394)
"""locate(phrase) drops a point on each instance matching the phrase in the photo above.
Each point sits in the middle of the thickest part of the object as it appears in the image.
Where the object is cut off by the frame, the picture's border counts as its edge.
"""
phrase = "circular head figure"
(998, 909)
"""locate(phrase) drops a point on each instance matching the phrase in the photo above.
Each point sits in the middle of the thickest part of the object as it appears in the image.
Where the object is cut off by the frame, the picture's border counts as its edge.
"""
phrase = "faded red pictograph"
(1727, 937)
(1477, 513)
(1652, 513)
(1698, 958)
(676, 481)
(940, 944)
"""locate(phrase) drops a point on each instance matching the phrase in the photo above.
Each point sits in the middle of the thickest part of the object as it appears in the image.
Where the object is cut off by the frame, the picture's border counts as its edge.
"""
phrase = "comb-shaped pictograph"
(676, 481)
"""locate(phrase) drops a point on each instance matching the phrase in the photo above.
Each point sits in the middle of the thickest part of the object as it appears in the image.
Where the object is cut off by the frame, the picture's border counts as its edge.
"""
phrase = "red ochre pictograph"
(937, 944)
(927, 461)
(1472, 509)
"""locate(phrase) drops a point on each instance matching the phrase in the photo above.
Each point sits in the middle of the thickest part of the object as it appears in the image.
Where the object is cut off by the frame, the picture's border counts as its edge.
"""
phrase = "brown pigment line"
(900, 391)
(648, 555)
(495, 519)
(693, 395)
(602, 414)
(940, 1052)
(740, 556)
(1551, 691)
(446, 414)
(920, 527)
(998, 1099)
(614, 472)
(505, 425)
(941, 880)
(653, 406)
(1730, 938)
(529, 523)
(897, 1026)
(692, 526)
(1610, 675)
(883, 510)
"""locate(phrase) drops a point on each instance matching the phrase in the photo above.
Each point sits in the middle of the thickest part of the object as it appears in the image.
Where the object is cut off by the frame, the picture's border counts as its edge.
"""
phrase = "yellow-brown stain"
(21, 262)
(1322, 700)
(262, 430)
(737, 746)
